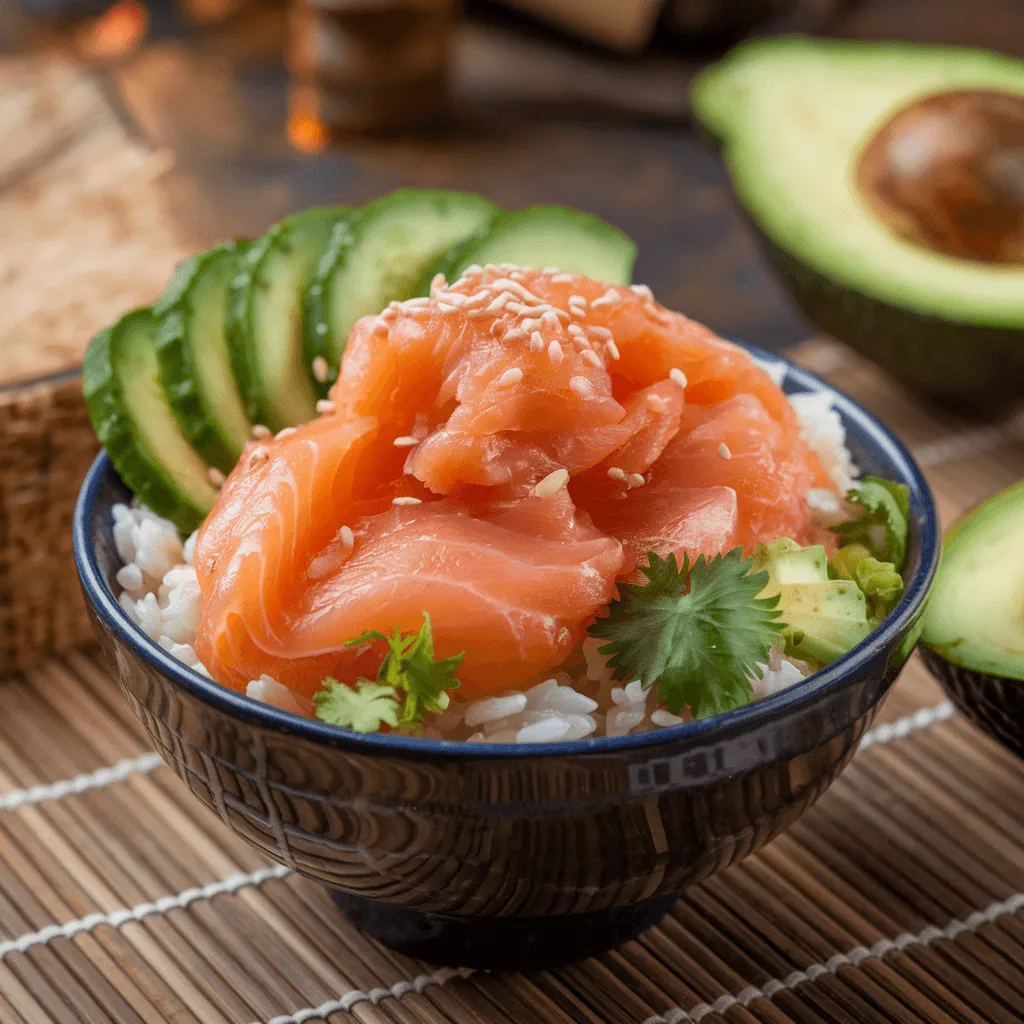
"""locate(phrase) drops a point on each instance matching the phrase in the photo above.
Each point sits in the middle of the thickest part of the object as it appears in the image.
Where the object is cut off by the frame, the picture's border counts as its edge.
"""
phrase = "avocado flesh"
(793, 116)
(975, 613)
(826, 618)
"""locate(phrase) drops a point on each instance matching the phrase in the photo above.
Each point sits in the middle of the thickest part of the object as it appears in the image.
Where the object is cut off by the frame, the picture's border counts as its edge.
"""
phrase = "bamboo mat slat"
(898, 897)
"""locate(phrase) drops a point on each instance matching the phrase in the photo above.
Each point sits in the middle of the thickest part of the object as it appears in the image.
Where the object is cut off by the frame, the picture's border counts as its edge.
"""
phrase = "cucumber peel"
(264, 327)
(379, 255)
(133, 420)
(194, 360)
(546, 236)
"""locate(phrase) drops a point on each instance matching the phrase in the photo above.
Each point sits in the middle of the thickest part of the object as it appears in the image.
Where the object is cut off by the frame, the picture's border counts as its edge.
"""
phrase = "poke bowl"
(512, 854)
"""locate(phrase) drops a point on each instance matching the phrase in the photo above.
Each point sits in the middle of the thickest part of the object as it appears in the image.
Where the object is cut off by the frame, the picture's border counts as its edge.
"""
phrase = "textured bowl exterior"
(994, 704)
(512, 833)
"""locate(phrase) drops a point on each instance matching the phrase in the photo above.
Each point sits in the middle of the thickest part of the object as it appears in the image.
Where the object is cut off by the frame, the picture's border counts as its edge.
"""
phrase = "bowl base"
(500, 943)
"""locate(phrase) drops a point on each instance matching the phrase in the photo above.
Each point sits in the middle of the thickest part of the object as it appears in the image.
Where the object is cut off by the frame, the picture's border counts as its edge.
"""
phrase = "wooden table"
(533, 120)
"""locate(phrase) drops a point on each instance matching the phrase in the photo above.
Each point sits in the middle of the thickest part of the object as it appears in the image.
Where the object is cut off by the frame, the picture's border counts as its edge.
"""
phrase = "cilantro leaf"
(364, 707)
(426, 682)
(700, 632)
(881, 523)
(409, 672)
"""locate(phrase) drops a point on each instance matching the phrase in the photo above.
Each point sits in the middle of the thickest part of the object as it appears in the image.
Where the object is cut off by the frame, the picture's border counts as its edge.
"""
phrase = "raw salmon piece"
(275, 514)
(464, 402)
(738, 445)
(511, 585)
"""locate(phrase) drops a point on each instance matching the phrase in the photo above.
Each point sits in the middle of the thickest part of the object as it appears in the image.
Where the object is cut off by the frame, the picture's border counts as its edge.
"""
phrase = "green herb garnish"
(409, 682)
(700, 631)
(364, 707)
(882, 521)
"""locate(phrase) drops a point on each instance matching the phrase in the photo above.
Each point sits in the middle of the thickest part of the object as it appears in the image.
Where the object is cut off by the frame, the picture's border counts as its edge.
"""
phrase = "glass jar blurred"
(367, 65)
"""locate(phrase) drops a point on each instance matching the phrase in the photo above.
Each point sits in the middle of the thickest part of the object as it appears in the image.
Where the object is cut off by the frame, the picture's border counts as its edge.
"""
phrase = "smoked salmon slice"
(497, 456)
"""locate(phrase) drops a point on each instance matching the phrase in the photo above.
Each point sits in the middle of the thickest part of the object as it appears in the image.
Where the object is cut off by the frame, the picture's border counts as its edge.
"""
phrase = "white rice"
(160, 593)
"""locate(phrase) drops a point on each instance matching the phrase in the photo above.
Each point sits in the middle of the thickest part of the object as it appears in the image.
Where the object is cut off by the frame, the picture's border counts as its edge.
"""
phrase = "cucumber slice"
(134, 422)
(548, 236)
(379, 255)
(264, 327)
(193, 352)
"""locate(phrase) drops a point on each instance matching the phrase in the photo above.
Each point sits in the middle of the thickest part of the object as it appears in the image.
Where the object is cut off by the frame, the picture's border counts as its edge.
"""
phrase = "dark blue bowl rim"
(752, 715)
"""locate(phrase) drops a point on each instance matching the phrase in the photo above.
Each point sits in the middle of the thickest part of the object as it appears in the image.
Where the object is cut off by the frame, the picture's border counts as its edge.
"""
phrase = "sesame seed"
(509, 377)
(390, 314)
(405, 501)
(506, 267)
(563, 279)
(617, 474)
(551, 484)
(643, 290)
(515, 334)
(555, 353)
(379, 327)
(550, 319)
(408, 441)
(657, 403)
(582, 387)
(437, 283)
(576, 330)
(473, 268)
(217, 478)
(537, 342)
(538, 310)
(287, 432)
(395, 305)
(610, 298)
(577, 300)
(529, 324)
(678, 377)
(517, 275)
(550, 270)
(723, 451)
(259, 431)
(500, 302)
(325, 405)
(346, 537)
(612, 349)
(635, 480)
(447, 307)
(320, 368)
(561, 314)
(589, 356)
(600, 332)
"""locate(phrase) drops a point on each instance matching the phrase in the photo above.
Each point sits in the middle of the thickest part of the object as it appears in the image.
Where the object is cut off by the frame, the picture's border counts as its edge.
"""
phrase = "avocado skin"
(964, 366)
(994, 704)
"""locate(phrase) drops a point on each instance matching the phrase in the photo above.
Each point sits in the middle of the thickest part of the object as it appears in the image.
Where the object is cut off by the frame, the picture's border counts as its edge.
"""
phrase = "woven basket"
(46, 445)
(86, 235)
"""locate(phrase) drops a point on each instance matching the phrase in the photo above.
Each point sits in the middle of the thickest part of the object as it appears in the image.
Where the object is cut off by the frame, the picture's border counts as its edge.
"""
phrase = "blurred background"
(251, 109)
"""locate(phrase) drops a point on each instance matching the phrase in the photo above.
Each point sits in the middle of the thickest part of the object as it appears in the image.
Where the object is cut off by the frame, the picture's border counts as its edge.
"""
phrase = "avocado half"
(973, 629)
(794, 116)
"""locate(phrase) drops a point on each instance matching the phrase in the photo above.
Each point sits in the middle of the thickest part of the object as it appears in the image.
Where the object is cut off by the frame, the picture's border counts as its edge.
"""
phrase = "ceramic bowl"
(500, 855)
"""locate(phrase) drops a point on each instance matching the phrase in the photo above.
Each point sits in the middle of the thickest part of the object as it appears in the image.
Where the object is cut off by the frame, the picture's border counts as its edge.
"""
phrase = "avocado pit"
(947, 172)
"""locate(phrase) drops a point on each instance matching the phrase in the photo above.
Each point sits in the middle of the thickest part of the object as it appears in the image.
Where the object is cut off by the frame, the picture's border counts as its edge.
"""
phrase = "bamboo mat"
(898, 897)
